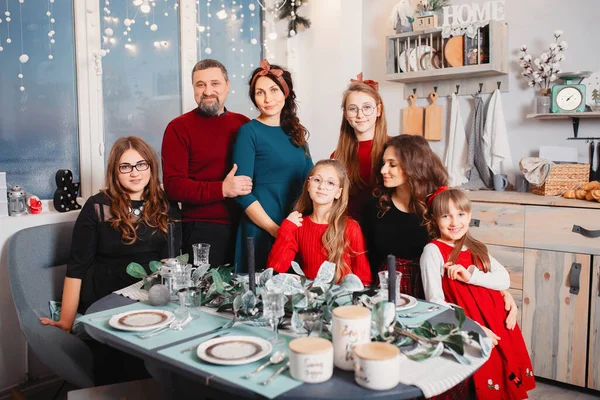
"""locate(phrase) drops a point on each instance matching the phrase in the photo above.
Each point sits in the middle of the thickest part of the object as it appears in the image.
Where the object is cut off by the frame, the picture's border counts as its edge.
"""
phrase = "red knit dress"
(508, 373)
(356, 202)
(305, 241)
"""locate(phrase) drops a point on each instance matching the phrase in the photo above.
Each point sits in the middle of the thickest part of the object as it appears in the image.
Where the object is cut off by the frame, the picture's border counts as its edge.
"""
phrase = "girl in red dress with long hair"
(363, 133)
(458, 269)
(319, 230)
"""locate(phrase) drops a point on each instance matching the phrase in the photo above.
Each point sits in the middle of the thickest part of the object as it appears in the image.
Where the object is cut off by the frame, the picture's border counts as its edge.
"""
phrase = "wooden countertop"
(492, 196)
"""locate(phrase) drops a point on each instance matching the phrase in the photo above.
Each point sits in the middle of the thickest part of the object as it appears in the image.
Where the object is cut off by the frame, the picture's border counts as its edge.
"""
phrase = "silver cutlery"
(275, 359)
(276, 374)
(415, 313)
(175, 325)
(198, 344)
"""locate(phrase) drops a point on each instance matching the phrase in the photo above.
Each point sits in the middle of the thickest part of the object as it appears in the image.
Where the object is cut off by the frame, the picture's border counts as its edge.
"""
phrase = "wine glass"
(311, 321)
(273, 310)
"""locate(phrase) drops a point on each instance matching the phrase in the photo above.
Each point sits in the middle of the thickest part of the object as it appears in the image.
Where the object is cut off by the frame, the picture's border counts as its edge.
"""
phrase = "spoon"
(415, 313)
(176, 325)
(275, 359)
(276, 374)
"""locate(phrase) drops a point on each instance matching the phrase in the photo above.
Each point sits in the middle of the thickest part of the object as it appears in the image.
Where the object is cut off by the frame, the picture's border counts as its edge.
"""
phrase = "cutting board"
(433, 119)
(412, 118)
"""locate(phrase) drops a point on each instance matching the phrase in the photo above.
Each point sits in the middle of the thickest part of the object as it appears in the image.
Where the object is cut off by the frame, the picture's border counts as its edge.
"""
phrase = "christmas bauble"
(158, 295)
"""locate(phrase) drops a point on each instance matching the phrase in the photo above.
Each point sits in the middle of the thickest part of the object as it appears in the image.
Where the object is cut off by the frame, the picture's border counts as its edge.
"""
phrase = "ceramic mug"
(500, 182)
(311, 359)
(351, 326)
(377, 365)
(521, 183)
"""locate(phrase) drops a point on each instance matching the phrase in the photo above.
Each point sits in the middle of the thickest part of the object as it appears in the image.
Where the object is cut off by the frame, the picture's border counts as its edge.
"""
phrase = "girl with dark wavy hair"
(319, 230)
(126, 222)
(409, 171)
(363, 133)
(272, 150)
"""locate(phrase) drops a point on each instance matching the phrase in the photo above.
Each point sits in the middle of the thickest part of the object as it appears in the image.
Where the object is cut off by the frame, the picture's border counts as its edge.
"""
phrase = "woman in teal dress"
(273, 151)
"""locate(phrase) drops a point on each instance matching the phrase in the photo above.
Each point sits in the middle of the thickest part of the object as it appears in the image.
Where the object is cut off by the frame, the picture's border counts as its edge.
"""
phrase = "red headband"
(275, 73)
(369, 82)
(432, 196)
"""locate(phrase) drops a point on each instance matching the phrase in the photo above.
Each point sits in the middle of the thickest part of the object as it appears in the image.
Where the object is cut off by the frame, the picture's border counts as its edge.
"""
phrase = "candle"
(391, 264)
(251, 266)
(171, 239)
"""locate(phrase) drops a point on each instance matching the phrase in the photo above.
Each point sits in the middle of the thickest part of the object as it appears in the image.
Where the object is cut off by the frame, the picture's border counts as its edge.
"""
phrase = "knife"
(198, 344)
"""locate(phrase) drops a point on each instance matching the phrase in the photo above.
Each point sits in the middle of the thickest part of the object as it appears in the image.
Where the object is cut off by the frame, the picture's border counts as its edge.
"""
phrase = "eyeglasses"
(127, 168)
(316, 181)
(367, 110)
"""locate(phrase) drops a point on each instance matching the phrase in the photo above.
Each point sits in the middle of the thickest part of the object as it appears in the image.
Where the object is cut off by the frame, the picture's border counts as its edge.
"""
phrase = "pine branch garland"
(290, 11)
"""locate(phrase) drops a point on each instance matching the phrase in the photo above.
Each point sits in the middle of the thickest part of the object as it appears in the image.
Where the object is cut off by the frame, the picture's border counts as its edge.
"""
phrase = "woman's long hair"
(424, 173)
(347, 148)
(334, 239)
(440, 205)
(289, 120)
(156, 206)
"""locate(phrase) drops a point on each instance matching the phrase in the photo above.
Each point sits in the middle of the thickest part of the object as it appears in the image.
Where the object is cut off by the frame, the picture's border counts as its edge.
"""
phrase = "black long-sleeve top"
(98, 256)
(396, 232)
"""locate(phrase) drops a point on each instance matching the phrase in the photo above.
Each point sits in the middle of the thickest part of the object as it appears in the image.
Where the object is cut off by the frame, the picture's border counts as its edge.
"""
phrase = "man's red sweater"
(196, 157)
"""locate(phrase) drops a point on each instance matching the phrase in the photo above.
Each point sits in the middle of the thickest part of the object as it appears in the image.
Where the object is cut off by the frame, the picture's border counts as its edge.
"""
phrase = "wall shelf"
(564, 115)
(422, 77)
(574, 116)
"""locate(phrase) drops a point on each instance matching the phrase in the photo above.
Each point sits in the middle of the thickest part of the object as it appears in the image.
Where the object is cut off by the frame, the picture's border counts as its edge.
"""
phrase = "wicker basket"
(563, 177)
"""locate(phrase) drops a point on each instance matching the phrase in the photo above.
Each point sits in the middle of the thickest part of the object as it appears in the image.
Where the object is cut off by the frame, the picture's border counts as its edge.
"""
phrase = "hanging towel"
(478, 173)
(495, 140)
(456, 152)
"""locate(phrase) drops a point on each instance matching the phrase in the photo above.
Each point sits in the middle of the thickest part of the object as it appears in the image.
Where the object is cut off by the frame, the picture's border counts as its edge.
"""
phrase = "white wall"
(322, 60)
(530, 22)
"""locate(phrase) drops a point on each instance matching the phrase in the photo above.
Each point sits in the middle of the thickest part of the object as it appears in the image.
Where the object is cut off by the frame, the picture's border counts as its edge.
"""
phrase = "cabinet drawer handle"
(574, 278)
(474, 222)
(585, 232)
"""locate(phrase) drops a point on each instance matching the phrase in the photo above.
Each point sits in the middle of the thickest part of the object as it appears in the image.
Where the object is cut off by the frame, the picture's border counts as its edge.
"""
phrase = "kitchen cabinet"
(555, 277)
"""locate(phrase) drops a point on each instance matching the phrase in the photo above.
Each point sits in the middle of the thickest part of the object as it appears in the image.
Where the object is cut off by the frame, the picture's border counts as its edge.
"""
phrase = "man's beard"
(209, 110)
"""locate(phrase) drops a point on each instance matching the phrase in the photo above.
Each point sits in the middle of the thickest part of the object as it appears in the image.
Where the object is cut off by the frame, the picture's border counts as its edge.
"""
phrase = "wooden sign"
(465, 14)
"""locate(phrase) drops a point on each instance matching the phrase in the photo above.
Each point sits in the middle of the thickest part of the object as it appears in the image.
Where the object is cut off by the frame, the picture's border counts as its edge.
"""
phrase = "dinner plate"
(141, 320)
(415, 57)
(403, 302)
(234, 350)
(430, 60)
(403, 62)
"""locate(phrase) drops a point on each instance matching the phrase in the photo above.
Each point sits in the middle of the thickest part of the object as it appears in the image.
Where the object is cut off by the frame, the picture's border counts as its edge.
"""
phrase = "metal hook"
(499, 83)
(414, 90)
(457, 87)
(480, 88)
(435, 89)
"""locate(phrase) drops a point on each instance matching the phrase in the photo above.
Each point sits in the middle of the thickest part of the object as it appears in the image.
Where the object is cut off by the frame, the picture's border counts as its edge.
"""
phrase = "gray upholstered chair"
(37, 259)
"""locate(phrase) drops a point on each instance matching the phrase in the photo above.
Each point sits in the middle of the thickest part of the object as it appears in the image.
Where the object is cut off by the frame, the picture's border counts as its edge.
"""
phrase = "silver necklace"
(136, 211)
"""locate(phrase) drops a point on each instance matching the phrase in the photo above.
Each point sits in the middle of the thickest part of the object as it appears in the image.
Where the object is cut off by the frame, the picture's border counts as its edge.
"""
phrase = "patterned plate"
(403, 302)
(141, 320)
(234, 350)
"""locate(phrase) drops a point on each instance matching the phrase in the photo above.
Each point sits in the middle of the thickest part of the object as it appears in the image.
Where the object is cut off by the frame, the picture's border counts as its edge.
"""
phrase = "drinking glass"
(383, 283)
(312, 321)
(182, 311)
(201, 252)
(273, 310)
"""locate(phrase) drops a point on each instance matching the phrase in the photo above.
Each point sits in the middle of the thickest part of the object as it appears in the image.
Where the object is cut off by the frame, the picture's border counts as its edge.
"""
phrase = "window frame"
(88, 66)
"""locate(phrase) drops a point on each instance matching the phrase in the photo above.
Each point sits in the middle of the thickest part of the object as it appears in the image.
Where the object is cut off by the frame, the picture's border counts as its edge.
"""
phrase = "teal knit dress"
(278, 170)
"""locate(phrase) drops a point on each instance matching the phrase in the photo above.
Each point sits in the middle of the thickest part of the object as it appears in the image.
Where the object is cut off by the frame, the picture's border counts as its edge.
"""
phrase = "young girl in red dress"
(363, 133)
(319, 230)
(458, 269)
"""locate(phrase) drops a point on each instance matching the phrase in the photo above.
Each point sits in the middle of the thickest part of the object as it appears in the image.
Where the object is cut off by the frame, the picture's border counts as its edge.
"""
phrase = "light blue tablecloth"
(203, 323)
(419, 319)
(233, 374)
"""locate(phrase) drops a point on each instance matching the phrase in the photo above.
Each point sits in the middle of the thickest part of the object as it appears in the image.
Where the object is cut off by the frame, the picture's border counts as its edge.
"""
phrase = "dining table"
(183, 379)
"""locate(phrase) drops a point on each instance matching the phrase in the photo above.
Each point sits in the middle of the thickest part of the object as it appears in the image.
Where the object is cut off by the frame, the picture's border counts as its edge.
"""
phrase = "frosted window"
(234, 40)
(38, 125)
(141, 71)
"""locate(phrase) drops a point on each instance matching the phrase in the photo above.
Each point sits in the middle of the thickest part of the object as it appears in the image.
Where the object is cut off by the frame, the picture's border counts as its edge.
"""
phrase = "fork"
(276, 374)
(415, 313)
(175, 325)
